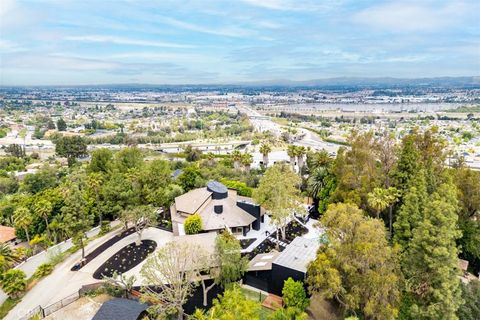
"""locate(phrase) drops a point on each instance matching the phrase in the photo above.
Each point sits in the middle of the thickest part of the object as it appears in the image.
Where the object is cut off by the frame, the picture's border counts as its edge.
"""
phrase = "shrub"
(294, 294)
(241, 187)
(193, 224)
(105, 227)
(13, 282)
(43, 270)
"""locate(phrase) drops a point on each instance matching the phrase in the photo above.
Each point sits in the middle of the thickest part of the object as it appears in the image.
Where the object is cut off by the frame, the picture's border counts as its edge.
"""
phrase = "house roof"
(120, 309)
(191, 201)
(204, 240)
(298, 254)
(463, 264)
(232, 215)
(263, 261)
(7, 234)
(200, 201)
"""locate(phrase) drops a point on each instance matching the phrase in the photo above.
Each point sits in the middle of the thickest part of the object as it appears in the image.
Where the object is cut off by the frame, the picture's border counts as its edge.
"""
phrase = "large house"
(220, 208)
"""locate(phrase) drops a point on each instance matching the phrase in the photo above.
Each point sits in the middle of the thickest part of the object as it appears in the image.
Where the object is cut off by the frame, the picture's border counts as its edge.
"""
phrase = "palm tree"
(95, 181)
(22, 218)
(210, 158)
(237, 158)
(377, 200)
(265, 149)
(7, 257)
(300, 153)
(43, 208)
(316, 181)
(292, 153)
(247, 160)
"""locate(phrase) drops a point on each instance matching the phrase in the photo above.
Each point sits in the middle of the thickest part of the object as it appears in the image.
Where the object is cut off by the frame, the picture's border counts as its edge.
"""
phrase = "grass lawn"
(7, 306)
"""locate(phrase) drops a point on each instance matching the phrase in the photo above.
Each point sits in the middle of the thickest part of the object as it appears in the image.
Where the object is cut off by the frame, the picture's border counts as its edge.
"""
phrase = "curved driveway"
(63, 282)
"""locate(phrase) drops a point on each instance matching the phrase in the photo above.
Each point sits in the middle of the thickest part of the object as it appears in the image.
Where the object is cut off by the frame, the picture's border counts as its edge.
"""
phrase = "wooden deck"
(273, 302)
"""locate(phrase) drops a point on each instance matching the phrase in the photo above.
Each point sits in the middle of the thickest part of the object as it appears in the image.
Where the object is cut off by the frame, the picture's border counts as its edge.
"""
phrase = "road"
(309, 139)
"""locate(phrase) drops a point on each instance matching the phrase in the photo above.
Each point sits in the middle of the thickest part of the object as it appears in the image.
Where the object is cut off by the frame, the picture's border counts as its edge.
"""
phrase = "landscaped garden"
(264, 247)
(294, 229)
(245, 243)
(125, 259)
(104, 246)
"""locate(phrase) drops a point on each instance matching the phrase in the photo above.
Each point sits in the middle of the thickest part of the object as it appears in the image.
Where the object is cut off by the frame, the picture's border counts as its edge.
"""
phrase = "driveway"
(63, 282)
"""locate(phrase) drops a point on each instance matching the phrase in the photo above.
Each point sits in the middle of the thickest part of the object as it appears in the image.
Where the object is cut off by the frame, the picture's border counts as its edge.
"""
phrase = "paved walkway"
(260, 235)
(63, 282)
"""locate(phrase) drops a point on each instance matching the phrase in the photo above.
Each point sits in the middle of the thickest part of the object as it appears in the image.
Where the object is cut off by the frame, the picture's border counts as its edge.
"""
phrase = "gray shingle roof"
(120, 309)
(191, 201)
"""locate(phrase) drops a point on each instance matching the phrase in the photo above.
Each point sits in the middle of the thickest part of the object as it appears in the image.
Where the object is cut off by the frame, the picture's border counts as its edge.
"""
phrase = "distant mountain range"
(375, 82)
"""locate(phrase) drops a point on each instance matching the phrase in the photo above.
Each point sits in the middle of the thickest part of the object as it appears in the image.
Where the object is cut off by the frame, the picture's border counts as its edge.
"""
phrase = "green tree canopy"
(294, 294)
(279, 193)
(356, 266)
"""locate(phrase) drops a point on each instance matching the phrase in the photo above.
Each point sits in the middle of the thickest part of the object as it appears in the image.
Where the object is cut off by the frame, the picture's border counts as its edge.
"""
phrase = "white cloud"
(408, 16)
(126, 41)
(294, 5)
(8, 46)
(222, 31)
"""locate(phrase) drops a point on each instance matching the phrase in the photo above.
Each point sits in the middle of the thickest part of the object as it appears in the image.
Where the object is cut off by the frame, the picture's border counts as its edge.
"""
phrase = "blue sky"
(62, 42)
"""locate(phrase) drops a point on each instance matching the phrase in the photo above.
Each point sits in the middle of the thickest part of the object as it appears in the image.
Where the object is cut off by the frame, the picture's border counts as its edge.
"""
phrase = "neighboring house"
(219, 207)
(268, 271)
(121, 309)
(7, 234)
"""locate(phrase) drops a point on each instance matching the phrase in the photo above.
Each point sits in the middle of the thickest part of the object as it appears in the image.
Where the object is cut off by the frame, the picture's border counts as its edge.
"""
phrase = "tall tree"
(292, 153)
(430, 263)
(471, 295)
(101, 161)
(380, 199)
(246, 161)
(61, 125)
(411, 211)
(237, 158)
(95, 182)
(467, 182)
(174, 270)
(386, 150)
(226, 265)
(300, 153)
(141, 217)
(43, 209)
(22, 218)
(265, 149)
(71, 148)
(356, 266)
(128, 158)
(76, 219)
(357, 170)
(279, 194)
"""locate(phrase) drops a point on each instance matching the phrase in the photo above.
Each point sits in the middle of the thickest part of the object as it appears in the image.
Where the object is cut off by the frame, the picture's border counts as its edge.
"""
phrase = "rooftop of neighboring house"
(217, 205)
(7, 234)
(121, 309)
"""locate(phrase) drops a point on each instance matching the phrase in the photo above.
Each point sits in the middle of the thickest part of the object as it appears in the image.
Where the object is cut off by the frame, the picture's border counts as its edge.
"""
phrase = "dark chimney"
(218, 208)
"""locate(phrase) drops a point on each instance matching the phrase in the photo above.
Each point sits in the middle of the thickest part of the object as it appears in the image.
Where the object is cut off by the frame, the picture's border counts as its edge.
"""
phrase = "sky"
(80, 42)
